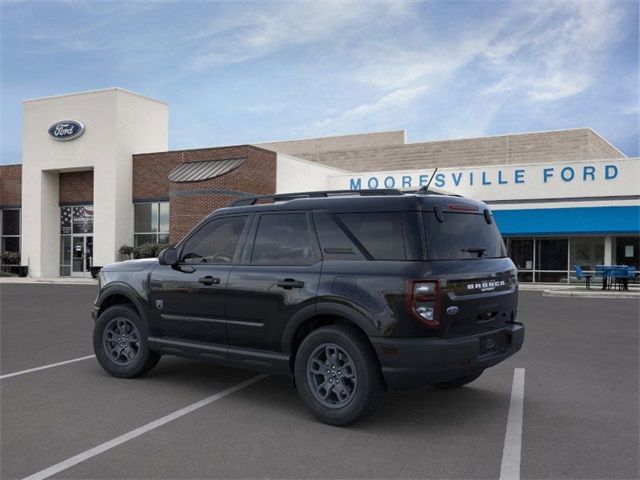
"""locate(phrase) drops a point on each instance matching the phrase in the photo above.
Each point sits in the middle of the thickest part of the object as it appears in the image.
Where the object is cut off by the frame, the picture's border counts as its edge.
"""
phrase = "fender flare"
(325, 308)
(119, 288)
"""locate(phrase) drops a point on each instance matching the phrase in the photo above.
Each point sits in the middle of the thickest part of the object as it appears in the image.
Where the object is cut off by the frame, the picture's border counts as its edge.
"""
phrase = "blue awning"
(567, 221)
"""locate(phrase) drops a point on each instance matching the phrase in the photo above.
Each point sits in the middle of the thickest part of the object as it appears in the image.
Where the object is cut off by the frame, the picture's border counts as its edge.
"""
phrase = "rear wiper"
(479, 250)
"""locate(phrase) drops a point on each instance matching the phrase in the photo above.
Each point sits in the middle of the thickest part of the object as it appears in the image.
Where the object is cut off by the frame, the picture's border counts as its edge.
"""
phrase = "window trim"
(247, 255)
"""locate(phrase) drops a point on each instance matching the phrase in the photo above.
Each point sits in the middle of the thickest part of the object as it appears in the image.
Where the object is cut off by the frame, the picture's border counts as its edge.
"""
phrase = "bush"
(126, 250)
(10, 258)
(149, 250)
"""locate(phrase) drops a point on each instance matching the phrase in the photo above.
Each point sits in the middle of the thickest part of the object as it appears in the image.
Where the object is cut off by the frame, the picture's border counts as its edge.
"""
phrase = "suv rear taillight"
(423, 301)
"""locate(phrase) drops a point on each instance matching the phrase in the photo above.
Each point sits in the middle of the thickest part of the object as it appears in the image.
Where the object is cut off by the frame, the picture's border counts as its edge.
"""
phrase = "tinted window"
(145, 217)
(10, 222)
(334, 241)
(216, 242)
(462, 236)
(380, 233)
(283, 239)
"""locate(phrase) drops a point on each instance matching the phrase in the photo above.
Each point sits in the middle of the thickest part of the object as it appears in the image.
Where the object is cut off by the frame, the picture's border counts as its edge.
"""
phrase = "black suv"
(348, 292)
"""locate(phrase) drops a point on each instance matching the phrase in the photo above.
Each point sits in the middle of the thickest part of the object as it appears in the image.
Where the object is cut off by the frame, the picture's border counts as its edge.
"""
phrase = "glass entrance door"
(81, 255)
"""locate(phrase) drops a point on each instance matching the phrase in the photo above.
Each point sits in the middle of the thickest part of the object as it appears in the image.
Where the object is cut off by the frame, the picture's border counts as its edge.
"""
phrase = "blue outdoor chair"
(580, 275)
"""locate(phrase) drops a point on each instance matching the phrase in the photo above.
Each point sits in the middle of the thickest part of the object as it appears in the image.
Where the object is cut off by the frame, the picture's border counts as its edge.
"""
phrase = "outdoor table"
(618, 274)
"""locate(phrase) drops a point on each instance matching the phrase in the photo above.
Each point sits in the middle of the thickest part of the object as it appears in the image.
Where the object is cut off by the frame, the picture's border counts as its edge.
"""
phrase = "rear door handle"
(289, 283)
(209, 280)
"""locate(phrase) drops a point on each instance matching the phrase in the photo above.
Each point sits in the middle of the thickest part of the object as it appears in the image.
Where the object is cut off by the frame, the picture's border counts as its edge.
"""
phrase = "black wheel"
(459, 382)
(337, 375)
(120, 343)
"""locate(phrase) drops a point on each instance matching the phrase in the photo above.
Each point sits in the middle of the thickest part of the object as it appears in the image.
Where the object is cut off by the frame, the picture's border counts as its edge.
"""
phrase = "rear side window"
(462, 236)
(380, 233)
(334, 242)
(283, 239)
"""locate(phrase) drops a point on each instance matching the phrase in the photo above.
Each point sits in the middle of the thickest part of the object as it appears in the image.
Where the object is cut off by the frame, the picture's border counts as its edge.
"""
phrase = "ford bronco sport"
(348, 292)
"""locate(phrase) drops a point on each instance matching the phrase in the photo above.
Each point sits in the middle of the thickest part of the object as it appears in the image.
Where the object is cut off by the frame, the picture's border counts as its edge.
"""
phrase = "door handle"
(209, 280)
(289, 283)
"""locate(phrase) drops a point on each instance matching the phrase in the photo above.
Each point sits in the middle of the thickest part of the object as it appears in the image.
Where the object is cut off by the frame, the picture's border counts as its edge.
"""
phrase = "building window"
(627, 251)
(521, 252)
(10, 236)
(151, 223)
(586, 252)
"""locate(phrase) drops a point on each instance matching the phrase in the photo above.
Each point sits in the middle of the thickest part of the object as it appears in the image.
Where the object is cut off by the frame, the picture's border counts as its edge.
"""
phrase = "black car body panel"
(237, 311)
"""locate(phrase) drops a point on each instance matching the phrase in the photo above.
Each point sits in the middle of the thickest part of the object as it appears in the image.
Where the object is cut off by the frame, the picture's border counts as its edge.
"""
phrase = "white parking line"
(44, 367)
(103, 447)
(511, 454)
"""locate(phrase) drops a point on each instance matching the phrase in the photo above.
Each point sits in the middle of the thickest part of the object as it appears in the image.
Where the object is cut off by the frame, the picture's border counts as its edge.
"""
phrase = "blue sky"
(243, 72)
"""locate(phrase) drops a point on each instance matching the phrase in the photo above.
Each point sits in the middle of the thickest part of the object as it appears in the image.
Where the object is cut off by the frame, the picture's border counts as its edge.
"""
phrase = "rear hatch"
(477, 281)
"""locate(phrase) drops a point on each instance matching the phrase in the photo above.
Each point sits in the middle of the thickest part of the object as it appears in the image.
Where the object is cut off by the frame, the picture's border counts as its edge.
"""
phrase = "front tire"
(337, 375)
(120, 343)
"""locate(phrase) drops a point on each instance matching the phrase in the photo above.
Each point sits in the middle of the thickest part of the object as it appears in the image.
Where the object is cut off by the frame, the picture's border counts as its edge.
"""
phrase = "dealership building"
(96, 174)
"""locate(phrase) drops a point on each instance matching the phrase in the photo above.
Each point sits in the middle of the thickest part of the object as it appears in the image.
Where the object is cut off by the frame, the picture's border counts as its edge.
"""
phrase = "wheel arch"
(120, 294)
(319, 315)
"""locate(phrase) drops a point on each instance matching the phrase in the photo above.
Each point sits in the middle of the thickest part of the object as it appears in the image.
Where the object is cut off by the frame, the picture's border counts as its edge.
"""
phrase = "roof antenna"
(426, 187)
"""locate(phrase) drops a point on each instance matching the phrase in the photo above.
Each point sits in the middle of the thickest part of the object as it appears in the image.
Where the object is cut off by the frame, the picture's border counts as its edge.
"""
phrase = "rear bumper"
(412, 362)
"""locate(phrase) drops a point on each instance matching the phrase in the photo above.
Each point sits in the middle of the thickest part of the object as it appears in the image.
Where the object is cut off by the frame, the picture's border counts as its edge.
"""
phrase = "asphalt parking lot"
(580, 420)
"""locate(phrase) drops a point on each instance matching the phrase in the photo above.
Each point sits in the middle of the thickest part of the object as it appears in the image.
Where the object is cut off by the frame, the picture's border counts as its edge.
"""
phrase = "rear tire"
(459, 382)
(120, 343)
(337, 375)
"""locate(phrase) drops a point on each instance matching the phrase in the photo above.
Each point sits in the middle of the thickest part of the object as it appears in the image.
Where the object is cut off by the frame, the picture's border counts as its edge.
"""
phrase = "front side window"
(461, 236)
(283, 239)
(215, 242)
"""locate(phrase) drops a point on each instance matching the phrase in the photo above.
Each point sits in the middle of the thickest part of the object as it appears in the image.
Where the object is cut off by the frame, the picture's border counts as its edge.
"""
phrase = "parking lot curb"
(48, 281)
(590, 294)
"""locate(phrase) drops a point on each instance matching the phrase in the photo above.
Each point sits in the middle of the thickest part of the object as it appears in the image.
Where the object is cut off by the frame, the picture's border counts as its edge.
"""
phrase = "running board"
(260, 360)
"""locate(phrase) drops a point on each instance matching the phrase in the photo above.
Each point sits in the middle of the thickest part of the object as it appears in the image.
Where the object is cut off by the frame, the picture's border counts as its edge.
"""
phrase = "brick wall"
(600, 148)
(76, 187)
(10, 185)
(313, 148)
(558, 146)
(187, 203)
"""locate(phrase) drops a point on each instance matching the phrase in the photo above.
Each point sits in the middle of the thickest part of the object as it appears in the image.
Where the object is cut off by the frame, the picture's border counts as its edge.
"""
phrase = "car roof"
(360, 203)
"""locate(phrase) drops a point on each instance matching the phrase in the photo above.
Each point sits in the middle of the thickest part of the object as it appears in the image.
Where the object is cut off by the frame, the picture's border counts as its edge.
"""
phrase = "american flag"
(65, 220)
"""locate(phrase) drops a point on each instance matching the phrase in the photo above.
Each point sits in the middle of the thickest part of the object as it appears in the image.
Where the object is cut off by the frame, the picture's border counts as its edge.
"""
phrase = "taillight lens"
(423, 301)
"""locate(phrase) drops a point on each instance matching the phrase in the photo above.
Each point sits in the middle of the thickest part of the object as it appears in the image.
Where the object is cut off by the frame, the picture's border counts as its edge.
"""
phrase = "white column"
(40, 222)
(608, 250)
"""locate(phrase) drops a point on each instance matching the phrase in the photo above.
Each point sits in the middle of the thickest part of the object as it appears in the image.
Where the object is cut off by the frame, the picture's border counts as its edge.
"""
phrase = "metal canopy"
(196, 171)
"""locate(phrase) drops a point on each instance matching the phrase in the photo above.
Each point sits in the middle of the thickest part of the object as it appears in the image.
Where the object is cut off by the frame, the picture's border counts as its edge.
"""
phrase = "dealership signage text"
(485, 178)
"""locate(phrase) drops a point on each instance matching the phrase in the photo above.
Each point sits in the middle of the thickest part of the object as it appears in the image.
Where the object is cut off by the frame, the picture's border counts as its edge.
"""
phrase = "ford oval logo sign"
(66, 130)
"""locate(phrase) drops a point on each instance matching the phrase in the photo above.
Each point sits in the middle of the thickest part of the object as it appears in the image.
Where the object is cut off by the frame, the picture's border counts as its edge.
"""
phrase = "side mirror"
(168, 256)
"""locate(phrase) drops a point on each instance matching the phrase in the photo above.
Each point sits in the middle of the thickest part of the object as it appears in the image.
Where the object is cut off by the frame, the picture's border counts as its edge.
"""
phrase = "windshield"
(462, 236)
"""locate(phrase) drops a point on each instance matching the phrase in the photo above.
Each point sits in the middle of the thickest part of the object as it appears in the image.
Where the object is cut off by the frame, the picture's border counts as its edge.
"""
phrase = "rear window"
(380, 233)
(462, 236)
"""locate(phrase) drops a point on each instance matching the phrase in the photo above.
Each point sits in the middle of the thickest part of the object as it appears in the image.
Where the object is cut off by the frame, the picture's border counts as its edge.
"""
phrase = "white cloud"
(537, 52)
(269, 27)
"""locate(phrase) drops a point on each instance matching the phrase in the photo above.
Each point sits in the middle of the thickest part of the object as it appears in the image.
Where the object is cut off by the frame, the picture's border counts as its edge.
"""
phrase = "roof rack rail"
(284, 197)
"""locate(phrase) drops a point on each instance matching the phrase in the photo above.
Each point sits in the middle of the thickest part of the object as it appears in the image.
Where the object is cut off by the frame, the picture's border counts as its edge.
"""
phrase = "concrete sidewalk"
(594, 293)
(579, 290)
(53, 280)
